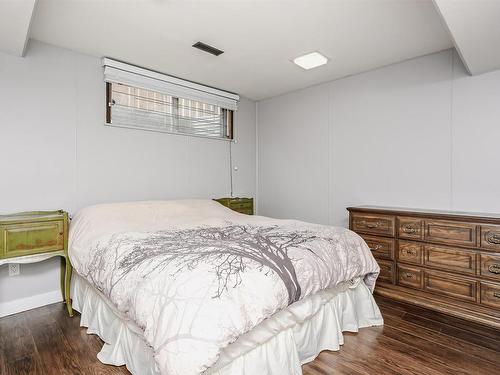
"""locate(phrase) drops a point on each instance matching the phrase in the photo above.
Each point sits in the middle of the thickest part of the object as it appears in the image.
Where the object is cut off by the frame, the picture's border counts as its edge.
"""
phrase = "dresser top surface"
(425, 212)
(32, 216)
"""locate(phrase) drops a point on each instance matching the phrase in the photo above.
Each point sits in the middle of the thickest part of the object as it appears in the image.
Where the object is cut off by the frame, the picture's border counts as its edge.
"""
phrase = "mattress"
(278, 345)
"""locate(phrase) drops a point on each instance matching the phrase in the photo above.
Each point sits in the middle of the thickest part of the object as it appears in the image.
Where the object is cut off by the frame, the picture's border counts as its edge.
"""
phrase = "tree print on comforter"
(195, 290)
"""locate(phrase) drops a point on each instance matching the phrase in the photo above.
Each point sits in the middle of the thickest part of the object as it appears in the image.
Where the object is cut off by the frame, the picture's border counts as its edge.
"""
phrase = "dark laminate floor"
(413, 341)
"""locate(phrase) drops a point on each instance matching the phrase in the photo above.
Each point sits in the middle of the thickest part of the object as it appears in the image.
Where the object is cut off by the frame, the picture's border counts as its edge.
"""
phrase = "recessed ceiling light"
(311, 60)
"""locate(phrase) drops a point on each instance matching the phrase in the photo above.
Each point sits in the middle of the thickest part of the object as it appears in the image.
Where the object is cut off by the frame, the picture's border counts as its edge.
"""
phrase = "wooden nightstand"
(241, 205)
(30, 237)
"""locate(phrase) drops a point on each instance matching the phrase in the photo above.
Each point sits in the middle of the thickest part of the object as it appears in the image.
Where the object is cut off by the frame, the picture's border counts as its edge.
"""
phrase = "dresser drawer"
(490, 295)
(450, 232)
(450, 286)
(450, 258)
(373, 224)
(387, 271)
(409, 276)
(31, 238)
(410, 252)
(490, 266)
(382, 248)
(410, 228)
(490, 237)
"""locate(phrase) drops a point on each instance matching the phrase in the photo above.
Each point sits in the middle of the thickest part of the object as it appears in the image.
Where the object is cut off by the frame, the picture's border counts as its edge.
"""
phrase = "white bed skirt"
(277, 346)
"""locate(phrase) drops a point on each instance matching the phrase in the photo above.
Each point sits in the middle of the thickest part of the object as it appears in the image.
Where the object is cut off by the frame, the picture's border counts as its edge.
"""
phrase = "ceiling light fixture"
(311, 60)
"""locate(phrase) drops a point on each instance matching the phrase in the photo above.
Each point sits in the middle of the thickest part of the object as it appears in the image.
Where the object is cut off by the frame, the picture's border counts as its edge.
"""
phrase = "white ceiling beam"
(474, 27)
(15, 22)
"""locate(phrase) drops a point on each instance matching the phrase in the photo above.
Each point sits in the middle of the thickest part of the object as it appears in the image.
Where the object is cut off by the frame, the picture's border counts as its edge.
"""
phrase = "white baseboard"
(28, 303)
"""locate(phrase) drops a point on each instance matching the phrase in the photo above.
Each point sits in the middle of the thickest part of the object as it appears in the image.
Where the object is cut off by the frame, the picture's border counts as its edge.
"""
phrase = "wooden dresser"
(442, 260)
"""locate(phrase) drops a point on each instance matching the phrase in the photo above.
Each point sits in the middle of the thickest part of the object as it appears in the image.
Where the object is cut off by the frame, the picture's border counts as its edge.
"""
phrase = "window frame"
(228, 128)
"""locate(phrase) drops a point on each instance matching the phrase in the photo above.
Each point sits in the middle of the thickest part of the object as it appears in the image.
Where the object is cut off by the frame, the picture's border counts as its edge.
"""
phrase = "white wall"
(293, 155)
(57, 153)
(421, 133)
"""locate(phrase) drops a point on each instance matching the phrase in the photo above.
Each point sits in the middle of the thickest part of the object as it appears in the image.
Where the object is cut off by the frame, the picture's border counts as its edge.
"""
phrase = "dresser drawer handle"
(408, 275)
(370, 225)
(493, 239)
(494, 268)
(376, 247)
(496, 294)
(409, 229)
(410, 252)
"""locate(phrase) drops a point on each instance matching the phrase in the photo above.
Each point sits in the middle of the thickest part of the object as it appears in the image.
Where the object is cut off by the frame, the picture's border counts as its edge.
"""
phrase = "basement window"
(143, 99)
(138, 108)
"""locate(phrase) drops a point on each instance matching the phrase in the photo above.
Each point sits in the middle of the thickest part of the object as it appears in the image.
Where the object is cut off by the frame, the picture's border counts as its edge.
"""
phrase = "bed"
(191, 287)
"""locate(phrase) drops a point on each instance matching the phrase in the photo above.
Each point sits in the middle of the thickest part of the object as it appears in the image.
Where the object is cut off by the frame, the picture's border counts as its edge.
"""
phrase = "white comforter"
(194, 275)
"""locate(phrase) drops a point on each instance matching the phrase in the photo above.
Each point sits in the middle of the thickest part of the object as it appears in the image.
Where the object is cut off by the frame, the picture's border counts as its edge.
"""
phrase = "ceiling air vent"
(207, 48)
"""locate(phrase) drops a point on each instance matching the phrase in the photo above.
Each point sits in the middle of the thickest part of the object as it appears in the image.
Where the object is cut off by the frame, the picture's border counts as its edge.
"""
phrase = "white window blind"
(143, 99)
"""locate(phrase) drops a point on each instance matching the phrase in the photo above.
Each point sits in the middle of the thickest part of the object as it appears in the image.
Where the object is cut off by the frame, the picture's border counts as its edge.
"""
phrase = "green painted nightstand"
(241, 205)
(30, 237)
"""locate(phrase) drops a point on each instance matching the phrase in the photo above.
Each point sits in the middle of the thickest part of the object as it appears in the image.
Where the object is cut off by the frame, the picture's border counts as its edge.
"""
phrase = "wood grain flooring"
(412, 341)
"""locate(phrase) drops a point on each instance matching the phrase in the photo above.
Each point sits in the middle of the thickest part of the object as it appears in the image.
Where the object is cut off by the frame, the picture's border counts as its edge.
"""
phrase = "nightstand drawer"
(31, 238)
(246, 211)
(241, 205)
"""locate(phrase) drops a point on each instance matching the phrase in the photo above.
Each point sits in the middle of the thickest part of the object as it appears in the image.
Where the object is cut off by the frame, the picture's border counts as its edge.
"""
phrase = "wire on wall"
(231, 165)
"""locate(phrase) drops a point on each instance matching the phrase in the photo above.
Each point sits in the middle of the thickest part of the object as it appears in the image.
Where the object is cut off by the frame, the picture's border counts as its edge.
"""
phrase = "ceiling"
(259, 37)
(475, 28)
